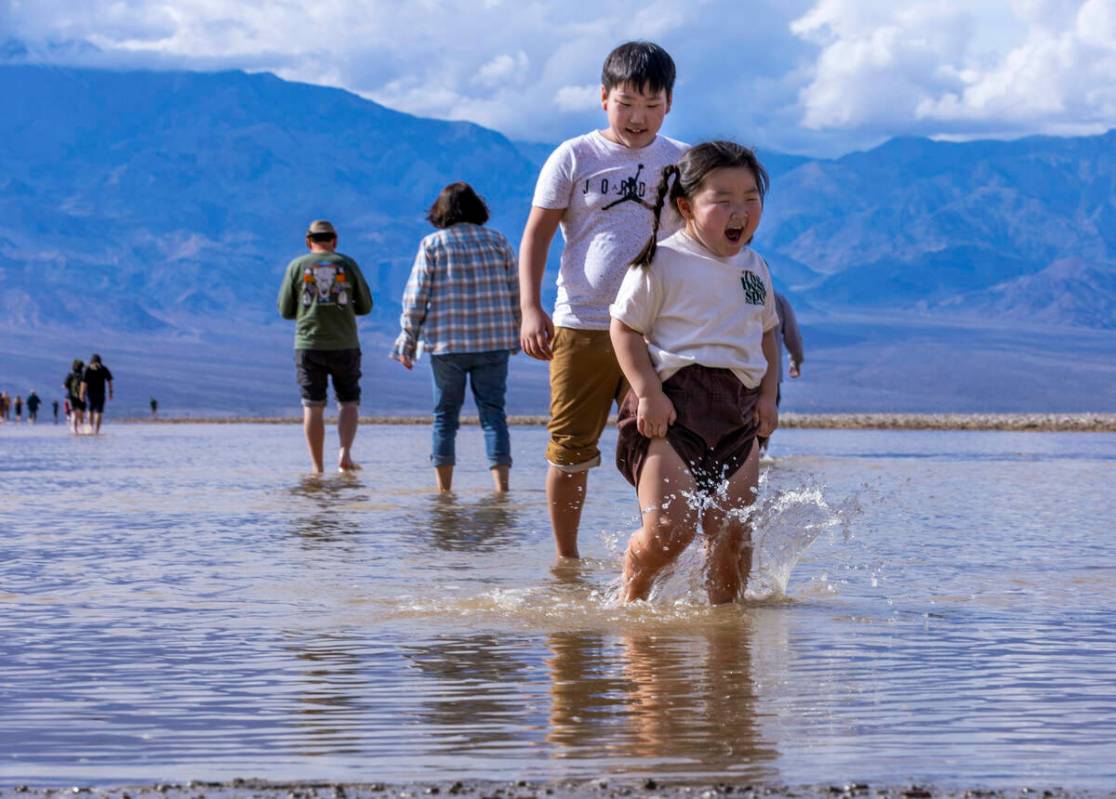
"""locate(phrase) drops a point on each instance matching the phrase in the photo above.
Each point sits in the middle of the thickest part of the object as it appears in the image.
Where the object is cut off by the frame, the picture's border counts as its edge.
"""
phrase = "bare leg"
(565, 495)
(500, 479)
(348, 415)
(669, 522)
(95, 421)
(729, 535)
(313, 425)
(444, 476)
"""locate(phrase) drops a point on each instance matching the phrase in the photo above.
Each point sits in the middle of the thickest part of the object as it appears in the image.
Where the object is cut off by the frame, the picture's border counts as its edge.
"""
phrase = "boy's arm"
(512, 266)
(655, 412)
(536, 330)
(767, 409)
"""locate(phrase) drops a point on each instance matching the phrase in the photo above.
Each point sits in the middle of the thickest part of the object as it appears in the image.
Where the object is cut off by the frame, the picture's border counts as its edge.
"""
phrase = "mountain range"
(150, 215)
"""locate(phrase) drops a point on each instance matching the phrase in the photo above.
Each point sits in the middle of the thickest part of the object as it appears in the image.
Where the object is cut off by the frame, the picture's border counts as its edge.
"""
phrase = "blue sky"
(815, 76)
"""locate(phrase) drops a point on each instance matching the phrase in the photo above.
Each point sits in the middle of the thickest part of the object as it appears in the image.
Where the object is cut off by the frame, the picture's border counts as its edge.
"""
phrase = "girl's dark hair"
(690, 173)
(457, 203)
(642, 65)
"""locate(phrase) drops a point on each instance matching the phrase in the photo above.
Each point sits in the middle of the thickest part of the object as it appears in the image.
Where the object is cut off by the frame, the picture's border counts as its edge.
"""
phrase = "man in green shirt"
(324, 291)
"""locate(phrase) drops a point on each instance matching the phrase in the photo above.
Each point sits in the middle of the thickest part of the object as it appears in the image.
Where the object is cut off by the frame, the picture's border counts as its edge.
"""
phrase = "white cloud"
(961, 70)
(813, 75)
(574, 98)
(504, 69)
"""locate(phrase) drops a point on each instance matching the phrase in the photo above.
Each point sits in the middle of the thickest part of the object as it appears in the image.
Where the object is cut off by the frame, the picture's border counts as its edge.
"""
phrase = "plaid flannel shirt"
(463, 294)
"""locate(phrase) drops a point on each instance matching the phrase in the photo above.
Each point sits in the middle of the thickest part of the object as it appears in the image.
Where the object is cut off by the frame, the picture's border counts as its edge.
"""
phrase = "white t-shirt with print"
(694, 307)
(608, 192)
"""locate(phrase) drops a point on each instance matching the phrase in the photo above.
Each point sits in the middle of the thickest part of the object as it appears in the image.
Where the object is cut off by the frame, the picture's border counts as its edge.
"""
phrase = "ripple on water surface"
(180, 604)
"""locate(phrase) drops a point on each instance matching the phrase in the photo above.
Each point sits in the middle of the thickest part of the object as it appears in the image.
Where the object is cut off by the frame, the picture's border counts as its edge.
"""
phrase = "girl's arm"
(767, 409)
(655, 413)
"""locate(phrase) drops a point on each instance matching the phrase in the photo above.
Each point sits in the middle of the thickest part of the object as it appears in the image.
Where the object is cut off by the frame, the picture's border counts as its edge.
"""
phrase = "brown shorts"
(713, 433)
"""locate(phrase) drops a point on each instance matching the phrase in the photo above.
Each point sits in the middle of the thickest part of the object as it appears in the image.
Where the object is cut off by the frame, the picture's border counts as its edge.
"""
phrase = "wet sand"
(592, 789)
(1037, 422)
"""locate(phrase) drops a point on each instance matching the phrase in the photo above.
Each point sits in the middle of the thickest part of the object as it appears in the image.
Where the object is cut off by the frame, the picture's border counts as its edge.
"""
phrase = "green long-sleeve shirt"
(324, 292)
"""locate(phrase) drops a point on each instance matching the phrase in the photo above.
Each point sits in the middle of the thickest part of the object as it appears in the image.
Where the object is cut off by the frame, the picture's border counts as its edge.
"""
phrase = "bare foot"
(348, 466)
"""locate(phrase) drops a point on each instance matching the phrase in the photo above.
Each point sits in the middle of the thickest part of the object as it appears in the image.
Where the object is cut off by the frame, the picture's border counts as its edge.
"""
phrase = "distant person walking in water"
(324, 291)
(788, 337)
(54, 407)
(72, 384)
(5, 405)
(462, 302)
(33, 403)
(19, 408)
(154, 407)
(93, 382)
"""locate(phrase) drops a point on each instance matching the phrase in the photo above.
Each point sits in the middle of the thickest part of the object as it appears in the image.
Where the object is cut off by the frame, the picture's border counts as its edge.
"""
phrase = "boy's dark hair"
(689, 174)
(321, 238)
(642, 65)
(457, 202)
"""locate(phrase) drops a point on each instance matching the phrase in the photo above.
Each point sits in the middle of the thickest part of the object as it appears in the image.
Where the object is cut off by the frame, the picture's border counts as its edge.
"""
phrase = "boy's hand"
(794, 370)
(535, 333)
(654, 415)
(406, 360)
(767, 416)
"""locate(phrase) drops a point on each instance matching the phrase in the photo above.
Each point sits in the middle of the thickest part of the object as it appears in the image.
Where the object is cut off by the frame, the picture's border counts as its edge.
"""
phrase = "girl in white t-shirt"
(693, 329)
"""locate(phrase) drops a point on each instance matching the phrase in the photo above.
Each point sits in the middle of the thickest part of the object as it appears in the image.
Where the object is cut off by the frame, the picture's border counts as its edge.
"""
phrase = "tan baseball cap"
(320, 226)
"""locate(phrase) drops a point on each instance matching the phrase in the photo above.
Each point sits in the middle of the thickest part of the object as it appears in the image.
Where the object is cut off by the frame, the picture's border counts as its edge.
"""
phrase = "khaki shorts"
(585, 380)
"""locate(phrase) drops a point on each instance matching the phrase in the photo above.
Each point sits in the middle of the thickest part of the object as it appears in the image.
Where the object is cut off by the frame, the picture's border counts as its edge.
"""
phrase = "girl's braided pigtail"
(647, 254)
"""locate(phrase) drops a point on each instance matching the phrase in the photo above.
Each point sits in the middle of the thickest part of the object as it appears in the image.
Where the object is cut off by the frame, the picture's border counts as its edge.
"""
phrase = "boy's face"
(634, 116)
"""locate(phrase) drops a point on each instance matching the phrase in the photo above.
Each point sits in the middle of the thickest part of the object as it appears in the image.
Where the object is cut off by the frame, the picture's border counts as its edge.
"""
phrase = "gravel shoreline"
(1037, 422)
(592, 789)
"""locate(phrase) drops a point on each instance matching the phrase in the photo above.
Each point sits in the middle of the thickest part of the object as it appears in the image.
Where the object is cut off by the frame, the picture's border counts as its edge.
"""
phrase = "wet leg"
(565, 496)
(669, 521)
(728, 530)
(313, 427)
(348, 417)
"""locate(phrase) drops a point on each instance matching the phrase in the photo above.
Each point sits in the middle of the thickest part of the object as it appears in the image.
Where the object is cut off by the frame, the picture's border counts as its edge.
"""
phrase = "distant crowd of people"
(85, 390)
(663, 310)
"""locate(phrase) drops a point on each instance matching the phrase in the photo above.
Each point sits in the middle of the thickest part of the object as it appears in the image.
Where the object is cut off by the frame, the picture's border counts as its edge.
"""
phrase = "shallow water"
(180, 602)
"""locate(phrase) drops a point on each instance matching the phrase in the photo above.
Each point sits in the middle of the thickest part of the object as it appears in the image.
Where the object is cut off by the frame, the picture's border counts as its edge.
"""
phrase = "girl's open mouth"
(734, 234)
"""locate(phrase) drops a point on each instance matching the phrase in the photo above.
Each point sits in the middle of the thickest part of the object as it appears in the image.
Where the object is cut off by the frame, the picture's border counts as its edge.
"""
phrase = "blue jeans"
(488, 375)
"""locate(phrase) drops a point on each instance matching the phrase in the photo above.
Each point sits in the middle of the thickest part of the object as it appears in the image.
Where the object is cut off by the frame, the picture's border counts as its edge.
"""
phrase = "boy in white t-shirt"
(598, 188)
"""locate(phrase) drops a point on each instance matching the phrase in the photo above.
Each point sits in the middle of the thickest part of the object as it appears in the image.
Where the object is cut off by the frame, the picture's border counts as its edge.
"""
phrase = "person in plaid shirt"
(462, 302)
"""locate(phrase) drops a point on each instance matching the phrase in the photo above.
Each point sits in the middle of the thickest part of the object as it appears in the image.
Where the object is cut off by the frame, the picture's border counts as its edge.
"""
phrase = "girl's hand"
(654, 415)
(407, 362)
(767, 416)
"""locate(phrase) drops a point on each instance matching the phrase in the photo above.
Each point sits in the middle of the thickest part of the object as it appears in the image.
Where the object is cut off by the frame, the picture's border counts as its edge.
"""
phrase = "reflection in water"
(475, 704)
(686, 699)
(330, 700)
(455, 525)
(332, 500)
